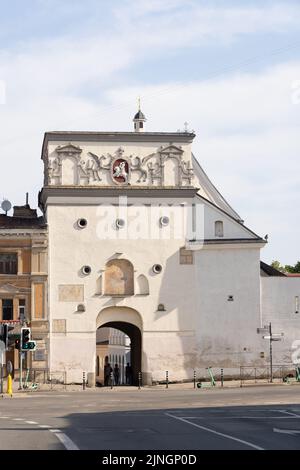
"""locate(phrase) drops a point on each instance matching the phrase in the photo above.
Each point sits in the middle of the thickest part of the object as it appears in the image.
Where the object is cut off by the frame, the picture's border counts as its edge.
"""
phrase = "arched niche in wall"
(69, 174)
(99, 285)
(119, 278)
(142, 285)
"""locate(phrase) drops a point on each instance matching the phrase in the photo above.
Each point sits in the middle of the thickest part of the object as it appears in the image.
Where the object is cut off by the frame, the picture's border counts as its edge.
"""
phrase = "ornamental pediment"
(171, 149)
(11, 289)
(68, 149)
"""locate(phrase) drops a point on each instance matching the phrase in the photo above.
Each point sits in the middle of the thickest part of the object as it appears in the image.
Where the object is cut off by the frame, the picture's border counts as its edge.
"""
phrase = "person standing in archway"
(117, 374)
(107, 374)
(128, 374)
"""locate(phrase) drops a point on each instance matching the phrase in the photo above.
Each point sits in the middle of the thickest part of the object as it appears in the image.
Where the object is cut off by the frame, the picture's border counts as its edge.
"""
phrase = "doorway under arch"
(129, 322)
(134, 333)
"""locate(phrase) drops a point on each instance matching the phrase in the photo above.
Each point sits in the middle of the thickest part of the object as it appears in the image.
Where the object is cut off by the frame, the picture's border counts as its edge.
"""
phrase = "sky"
(231, 69)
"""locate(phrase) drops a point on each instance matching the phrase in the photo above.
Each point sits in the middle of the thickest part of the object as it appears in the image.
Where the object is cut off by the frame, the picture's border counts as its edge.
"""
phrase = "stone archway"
(129, 322)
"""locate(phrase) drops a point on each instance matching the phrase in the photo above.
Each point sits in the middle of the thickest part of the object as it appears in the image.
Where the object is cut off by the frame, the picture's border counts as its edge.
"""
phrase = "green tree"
(276, 265)
(293, 269)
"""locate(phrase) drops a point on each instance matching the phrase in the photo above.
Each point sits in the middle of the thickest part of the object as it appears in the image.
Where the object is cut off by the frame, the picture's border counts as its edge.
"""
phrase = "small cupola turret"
(139, 121)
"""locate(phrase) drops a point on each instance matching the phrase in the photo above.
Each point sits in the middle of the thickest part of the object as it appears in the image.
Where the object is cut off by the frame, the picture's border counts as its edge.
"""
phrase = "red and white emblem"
(120, 171)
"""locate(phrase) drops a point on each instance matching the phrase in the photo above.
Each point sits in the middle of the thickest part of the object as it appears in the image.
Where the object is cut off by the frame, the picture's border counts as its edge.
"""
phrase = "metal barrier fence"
(263, 374)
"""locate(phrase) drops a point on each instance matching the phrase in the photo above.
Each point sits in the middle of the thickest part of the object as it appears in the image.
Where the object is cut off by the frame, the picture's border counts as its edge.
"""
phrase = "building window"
(22, 312)
(186, 256)
(141, 125)
(219, 228)
(8, 263)
(7, 309)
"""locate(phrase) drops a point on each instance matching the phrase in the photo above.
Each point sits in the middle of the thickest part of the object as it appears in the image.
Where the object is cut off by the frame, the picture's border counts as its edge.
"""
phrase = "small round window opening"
(120, 223)
(82, 223)
(164, 221)
(86, 270)
(157, 268)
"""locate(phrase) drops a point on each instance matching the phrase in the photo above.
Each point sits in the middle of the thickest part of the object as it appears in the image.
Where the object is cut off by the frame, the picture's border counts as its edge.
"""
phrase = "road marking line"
(286, 431)
(18, 419)
(227, 436)
(66, 441)
(238, 417)
(54, 430)
(31, 422)
(4, 417)
(289, 413)
(44, 426)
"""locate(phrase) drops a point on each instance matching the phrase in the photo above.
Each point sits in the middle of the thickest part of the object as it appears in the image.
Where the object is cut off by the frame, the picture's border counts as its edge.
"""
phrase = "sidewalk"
(123, 388)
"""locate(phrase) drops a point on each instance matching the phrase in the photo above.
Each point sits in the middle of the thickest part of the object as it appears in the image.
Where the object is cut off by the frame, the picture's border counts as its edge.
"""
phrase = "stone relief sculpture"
(156, 172)
(90, 169)
(136, 165)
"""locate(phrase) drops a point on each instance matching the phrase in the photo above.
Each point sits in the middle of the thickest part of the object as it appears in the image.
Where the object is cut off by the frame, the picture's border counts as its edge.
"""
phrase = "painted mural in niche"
(119, 278)
(165, 167)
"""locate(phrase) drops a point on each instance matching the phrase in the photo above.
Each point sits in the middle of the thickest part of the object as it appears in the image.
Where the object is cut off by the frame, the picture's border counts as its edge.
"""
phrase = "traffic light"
(17, 343)
(25, 337)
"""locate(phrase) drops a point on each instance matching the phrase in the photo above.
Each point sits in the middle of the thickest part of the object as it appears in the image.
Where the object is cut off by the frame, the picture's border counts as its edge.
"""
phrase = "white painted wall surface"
(226, 330)
(279, 307)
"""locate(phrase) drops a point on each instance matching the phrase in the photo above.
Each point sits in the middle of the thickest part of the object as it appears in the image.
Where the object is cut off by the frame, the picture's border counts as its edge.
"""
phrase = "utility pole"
(21, 365)
(271, 352)
(271, 337)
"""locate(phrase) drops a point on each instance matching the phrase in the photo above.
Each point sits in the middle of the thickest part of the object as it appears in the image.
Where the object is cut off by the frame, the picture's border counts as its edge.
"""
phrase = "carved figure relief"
(91, 169)
(120, 171)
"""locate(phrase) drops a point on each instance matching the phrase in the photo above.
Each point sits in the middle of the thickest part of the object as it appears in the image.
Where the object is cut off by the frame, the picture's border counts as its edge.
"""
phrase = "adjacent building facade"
(23, 280)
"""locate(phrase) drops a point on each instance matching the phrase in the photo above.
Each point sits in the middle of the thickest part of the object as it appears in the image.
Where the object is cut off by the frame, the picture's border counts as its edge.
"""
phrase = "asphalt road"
(153, 419)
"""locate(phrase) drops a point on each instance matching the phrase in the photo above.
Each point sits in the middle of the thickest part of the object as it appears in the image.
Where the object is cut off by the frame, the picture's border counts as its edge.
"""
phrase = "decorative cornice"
(229, 242)
(62, 192)
(166, 137)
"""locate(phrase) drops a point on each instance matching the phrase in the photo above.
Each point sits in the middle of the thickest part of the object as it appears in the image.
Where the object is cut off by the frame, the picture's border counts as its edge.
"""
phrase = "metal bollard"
(140, 380)
(222, 377)
(83, 380)
(111, 381)
(194, 379)
(167, 379)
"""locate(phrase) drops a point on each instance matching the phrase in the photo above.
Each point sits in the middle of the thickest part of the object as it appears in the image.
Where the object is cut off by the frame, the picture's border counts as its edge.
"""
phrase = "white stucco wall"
(226, 330)
(70, 249)
(278, 296)
(199, 326)
(188, 334)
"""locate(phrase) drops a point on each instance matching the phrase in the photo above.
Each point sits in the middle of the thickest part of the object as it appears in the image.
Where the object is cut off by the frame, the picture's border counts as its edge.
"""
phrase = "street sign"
(262, 330)
(272, 338)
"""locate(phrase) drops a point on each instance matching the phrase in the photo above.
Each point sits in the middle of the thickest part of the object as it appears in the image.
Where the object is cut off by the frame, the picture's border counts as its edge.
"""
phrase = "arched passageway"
(135, 336)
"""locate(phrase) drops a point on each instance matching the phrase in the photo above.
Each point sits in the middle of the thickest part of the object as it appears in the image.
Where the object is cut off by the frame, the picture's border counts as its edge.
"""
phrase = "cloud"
(246, 123)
